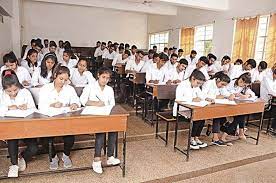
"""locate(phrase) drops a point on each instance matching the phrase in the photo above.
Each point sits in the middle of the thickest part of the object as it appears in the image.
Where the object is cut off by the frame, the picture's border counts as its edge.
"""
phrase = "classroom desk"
(158, 92)
(38, 125)
(120, 69)
(212, 111)
(138, 78)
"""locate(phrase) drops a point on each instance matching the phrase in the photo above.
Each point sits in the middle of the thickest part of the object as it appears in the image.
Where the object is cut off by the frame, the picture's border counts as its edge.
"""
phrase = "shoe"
(112, 161)
(219, 143)
(201, 144)
(54, 163)
(97, 167)
(13, 171)
(21, 164)
(67, 163)
(193, 145)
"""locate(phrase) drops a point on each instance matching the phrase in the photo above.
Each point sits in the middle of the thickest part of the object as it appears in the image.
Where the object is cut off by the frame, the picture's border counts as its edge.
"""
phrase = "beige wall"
(83, 26)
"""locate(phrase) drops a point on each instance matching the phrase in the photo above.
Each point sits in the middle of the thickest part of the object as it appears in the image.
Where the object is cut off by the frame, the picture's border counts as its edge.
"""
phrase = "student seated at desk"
(259, 73)
(173, 62)
(237, 70)
(215, 88)
(79, 75)
(189, 91)
(22, 73)
(180, 54)
(30, 63)
(15, 97)
(240, 89)
(223, 65)
(133, 52)
(42, 75)
(121, 58)
(211, 67)
(176, 75)
(192, 60)
(156, 73)
(100, 94)
(110, 54)
(59, 94)
(268, 89)
(100, 50)
(200, 65)
(67, 60)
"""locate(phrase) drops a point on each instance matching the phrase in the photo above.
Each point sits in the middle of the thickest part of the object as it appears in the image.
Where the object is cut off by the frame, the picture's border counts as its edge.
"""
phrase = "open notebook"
(18, 113)
(93, 110)
(56, 111)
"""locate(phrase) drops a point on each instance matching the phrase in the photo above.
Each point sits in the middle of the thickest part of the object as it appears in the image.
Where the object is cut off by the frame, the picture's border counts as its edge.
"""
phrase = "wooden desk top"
(223, 110)
(163, 91)
(138, 78)
(38, 125)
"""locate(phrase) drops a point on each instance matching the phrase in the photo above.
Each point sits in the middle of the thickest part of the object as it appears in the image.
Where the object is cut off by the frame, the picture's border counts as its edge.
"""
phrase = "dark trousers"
(68, 144)
(29, 152)
(273, 112)
(217, 122)
(125, 89)
(197, 128)
(231, 128)
(99, 143)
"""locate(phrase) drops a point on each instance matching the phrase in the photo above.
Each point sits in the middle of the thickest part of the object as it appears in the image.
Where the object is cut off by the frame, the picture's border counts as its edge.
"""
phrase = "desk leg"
(189, 138)
(124, 154)
(116, 146)
(50, 143)
(260, 127)
(176, 127)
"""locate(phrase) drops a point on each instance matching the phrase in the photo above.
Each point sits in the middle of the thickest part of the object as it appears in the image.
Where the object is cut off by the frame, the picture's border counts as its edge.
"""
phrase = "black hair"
(104, 70)
(151, 51)
(251, 62)
(60, 41)
(140, 52)
(183, 61)
(239, 61)
(174, 55)
(170, 49)
(30, 52)
(226, 57)
(60, 70)
(127, 45)
(246, 77)
(116, 43)
(122, 44)
(156, 55)
(154, 47)
(163, 56)
(274, 71)
(39, 45)
(204, 59)
(263, 65)
(133, 47)
(109, 42)
(104, 43)
(180, 50)
(46, 40)
(9, 78)
(198, 75)
(112, 45)
(166, 48)
(84, 59)
(98, 42)
(69, 52)
(33, 41)
(121, 48)
(10, 58)
(52, 43)
(222, 77)
(43, 67)
(67, 45)
(210, 55)
(193, 52)
(38, 40)
(127, 52)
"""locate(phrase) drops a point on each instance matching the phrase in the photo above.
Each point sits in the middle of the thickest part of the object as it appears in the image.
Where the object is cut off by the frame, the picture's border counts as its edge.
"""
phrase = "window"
(160, 40)
(203, 39)
(261, 38)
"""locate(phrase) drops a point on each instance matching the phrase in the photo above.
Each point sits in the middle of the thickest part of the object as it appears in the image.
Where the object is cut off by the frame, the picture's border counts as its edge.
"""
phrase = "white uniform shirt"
(173, 74)
(268, 87)
(31, 69)
(119, 60)
(21, 72)
(81, 80)
(93, 92)
(234, 89)
(132, 66)
(153, 73)
(170, 66)
(257, 76)
(99, 52)
(37, 79)
(211, 90)
(185, 93)
(49, 95)
(192, 67)
(71, 63)
(108, 55)
(191, 61)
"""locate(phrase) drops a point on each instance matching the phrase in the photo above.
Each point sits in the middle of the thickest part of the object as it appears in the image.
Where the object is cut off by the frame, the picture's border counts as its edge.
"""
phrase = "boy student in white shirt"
(32, 45)
(259, 73)
(42, 75)
(237, 70)
(180, 54)
(127, 46)
(79, 75)
(100, 94)
(110, 54)
(31, 61)
(156, 73)
(132, 66)
(211, 67)
(192, 60)
(15, 97)
(200, 65)
(170, 52)
(154, 48)
(40, 55)
(22, 73)
(46, 46)
(268, 89)
(100, 50)
(67, 61)
(121, 58)
(215, 88)
(133, 52)
(176, 75)
(189, 91)
(148, 60)
(223, 65)
(59, 94)
(173, 62)
(166, 51)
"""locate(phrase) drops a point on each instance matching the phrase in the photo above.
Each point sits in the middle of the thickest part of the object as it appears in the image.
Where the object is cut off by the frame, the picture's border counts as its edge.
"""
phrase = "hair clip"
(8, 73)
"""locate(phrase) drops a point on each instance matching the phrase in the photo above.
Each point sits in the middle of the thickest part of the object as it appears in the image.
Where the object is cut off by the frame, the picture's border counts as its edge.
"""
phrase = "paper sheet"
(57, 111)
(19, 113)
(202, 103)
(253, 99)
(225, 101)
(93, 110)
